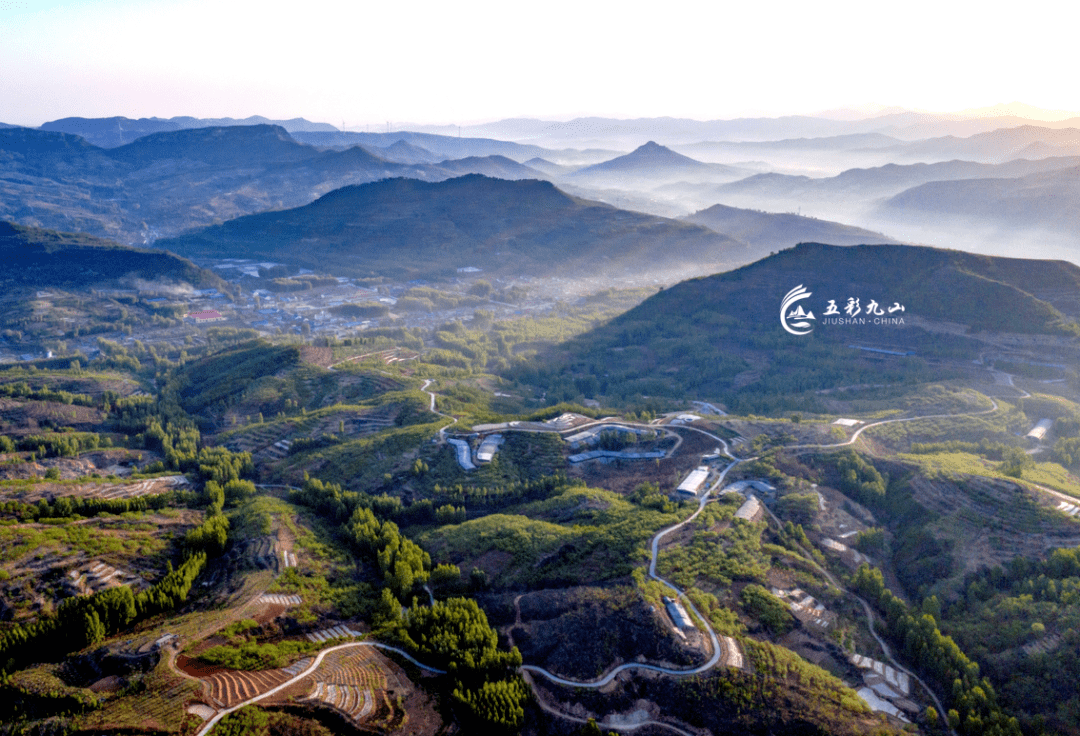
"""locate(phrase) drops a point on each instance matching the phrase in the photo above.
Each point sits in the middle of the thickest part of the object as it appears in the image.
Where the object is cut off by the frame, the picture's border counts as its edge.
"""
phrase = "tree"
(482, 289)
(248, 721)
(388, 610)
(93, 629)
(1015, 461)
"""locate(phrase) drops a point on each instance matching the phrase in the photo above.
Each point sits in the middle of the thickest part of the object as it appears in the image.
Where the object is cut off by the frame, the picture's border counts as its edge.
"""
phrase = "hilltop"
(406, 227)
(404, 152)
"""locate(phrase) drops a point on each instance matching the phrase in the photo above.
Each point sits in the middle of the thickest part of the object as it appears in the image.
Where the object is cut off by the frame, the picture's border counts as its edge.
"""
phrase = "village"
(307, 306)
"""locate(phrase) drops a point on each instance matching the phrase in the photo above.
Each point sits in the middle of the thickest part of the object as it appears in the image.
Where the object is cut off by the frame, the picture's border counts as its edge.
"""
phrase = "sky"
(458, 62)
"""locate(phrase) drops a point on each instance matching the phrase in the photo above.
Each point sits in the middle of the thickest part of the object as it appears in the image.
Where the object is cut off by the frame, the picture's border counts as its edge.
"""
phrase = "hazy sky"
(467, 60)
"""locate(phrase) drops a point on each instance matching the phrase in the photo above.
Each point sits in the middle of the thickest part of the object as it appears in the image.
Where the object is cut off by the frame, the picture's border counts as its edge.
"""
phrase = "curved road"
(431, 407)
(716, 646)
(862, 429)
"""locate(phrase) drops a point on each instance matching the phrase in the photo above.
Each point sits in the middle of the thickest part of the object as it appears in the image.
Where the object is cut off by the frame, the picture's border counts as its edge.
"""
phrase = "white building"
(694, 482)
(488, 448)
(464, 454)
(1038, 432)
(678, 614)
(750, 510)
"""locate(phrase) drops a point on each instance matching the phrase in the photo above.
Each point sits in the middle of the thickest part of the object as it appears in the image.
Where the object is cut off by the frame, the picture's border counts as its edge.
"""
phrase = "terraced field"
(260, 438)
(354, 702)
(355, 422)
(271, 442)
(226, 688)
(352, 682)
(98, 576)
(106, 489)
(91, 384)
(337, 632)
(147, 487)
(1015, 509)
(262, 552)
(276, 599)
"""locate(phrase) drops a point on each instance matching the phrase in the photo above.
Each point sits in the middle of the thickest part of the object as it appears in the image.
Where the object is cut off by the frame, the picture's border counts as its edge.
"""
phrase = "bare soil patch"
(109, 684)
(322, 357)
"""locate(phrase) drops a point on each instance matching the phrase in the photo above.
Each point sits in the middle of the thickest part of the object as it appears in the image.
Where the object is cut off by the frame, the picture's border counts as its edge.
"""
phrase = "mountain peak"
(650, 147)
(650, 159)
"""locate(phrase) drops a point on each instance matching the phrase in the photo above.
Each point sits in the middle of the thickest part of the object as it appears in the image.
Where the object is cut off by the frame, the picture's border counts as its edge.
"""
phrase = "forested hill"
(406, 227)
(721, 336)
(36, 258)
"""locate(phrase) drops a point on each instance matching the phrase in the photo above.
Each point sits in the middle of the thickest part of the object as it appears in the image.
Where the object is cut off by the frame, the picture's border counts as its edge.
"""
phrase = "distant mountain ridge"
(448, 146)
(622, 133)
(780, 191)
(409, 228)
(116, 131)
(1046, 200)
(825, 143)
(404, 152)
(769, 231)
(997, 146)
(498, 167)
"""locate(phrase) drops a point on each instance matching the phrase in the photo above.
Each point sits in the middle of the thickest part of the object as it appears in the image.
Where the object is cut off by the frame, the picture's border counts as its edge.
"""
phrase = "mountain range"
(164, 183)
(452, 146)
(171, 181)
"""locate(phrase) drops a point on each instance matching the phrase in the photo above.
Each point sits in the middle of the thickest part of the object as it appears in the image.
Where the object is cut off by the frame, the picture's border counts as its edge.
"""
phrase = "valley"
(546, 433)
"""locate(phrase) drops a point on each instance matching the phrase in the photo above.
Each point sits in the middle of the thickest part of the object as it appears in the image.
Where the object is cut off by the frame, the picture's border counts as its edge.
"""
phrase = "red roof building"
(208, 316)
